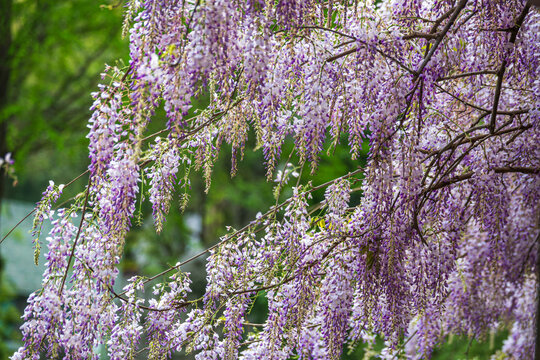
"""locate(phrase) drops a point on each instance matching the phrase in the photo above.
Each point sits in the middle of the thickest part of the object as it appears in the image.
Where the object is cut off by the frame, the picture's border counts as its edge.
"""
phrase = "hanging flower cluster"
(443, 241)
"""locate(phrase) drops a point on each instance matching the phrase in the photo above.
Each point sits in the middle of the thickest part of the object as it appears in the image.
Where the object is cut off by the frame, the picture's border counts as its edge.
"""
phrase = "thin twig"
(499, 112)
(16, 225)
(31, 212)
(380, 52)
(76, 237)
(442, 34)
(419, 35)
(467, 74)
(234, 234)
(502, 69)
(468, 175)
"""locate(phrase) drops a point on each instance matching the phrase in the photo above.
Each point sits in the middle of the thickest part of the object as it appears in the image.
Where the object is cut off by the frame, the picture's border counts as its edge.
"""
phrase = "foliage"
(442, 240)
(51, 53)
(55, 56)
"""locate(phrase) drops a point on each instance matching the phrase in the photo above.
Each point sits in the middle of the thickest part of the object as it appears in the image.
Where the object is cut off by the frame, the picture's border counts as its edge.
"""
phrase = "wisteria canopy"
(444, 239)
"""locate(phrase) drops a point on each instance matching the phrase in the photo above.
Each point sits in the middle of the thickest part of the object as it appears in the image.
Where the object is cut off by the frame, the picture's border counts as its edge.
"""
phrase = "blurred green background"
(51, 57)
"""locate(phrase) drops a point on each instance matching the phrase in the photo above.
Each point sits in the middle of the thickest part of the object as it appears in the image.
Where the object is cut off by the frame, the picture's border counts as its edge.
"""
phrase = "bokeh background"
(51, 57)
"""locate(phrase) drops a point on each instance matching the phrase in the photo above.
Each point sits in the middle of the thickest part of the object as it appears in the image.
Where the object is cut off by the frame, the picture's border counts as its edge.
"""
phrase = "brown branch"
(467, 74)
(76, 237)
(516, 169)
(17, 225)
(468, 175)
(31, 212)
(232, 236)
(324, 29)
(472, 140)
(175, 306)
(441, 36)
(478, 140)
(416, 35)
(292, 277)
(342, 54)
(453, 144)
(499, 112)
(445, 16)
(380, 52)
(520, 129)
(502, 69)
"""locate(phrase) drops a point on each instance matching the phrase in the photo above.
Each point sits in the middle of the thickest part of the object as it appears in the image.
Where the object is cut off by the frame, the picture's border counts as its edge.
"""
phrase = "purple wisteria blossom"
(442, 236)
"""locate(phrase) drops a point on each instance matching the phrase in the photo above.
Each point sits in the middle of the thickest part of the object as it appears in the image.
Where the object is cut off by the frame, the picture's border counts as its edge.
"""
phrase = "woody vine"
(444, 240)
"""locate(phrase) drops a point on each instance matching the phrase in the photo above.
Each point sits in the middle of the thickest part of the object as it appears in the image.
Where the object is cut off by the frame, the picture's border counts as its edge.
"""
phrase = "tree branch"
(383, 54)
(77, 236)
(502, 69)
(442, 34)
(468, 175)
(416, 35)
(467, 74)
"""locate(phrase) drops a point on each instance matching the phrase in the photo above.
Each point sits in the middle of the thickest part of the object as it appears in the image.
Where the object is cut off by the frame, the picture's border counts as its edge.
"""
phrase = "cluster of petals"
(438, 236)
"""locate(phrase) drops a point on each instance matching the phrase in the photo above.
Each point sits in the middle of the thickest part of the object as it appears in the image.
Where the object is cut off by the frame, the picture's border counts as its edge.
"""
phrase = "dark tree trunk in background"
(5, 70)
(5, 43)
